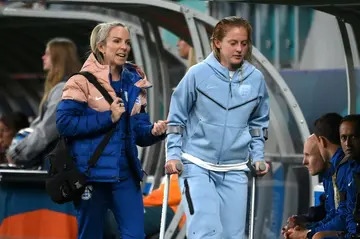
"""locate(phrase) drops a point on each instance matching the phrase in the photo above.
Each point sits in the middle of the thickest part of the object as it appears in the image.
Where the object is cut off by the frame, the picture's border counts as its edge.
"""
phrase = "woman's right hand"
(170, 166)
(117, 108)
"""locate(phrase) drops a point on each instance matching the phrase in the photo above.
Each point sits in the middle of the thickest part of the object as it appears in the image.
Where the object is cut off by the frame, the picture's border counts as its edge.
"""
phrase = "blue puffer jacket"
(84, 117)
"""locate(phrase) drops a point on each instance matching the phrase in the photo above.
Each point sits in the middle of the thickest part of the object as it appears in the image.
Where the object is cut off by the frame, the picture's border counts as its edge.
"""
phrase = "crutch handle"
(179, 167)
(262, 167)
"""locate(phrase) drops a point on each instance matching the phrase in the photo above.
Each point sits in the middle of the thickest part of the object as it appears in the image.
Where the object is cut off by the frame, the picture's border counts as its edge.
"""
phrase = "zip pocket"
(188, 197)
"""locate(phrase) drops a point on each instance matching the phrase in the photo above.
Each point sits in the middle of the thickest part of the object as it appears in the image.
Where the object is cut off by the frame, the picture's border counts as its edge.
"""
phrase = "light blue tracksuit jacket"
(217, 114)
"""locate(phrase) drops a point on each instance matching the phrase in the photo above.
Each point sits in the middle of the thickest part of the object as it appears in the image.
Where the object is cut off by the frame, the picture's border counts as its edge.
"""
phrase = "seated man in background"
(350, 142)
(328, 143)
(316, 166)
(152, 210)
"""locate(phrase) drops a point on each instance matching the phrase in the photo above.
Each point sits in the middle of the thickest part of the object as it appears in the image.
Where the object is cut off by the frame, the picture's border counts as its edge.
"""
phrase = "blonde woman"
(84, 117)
(59, 61)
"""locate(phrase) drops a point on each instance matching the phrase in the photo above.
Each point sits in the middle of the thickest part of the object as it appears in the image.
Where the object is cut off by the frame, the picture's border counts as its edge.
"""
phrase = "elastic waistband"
(215, 167)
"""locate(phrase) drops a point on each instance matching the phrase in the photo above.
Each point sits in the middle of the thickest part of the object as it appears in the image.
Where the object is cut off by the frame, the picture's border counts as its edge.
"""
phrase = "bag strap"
(100, 148)
(92, 79)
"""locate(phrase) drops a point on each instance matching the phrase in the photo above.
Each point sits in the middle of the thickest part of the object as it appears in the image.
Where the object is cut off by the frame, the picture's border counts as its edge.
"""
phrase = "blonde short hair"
(99, 35)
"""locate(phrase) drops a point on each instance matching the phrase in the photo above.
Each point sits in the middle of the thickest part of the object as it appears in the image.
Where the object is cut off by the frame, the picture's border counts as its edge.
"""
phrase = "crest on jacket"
(87, 193)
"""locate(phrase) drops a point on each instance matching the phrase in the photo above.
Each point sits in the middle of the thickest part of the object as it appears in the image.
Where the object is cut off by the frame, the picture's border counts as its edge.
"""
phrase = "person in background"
(326, 132)
(186, 52)
(316, 166)
(350, 142)
(59, 62)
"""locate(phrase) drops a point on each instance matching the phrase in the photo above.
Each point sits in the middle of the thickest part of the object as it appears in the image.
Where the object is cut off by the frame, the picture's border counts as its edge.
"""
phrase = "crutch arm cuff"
(258, 132)
(174, 129)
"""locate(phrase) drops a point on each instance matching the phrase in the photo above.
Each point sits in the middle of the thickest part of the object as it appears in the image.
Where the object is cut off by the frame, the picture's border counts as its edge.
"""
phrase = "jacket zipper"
(226, 116)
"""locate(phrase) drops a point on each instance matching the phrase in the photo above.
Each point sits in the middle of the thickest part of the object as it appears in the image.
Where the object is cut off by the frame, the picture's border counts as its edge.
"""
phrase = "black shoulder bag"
(66, 183)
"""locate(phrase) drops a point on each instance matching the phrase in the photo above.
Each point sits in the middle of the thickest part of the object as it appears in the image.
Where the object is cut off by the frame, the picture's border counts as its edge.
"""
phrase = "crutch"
(179, 168)
(253, 174)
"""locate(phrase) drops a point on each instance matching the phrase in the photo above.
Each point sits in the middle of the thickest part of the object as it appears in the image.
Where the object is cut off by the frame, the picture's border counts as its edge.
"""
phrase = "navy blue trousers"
(123, 198)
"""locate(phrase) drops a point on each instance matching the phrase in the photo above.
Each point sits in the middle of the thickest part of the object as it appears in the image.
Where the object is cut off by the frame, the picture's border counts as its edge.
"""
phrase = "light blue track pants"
(214, 202)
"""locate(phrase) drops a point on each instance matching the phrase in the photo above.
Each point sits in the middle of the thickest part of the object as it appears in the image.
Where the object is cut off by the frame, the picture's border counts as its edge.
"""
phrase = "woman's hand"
(117, 108)
(259, 171)
(159, 128)
(171, 166)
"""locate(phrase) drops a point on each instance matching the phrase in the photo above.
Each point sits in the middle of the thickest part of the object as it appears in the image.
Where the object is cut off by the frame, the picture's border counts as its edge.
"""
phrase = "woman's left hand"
(159, 128)
(262, 172)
